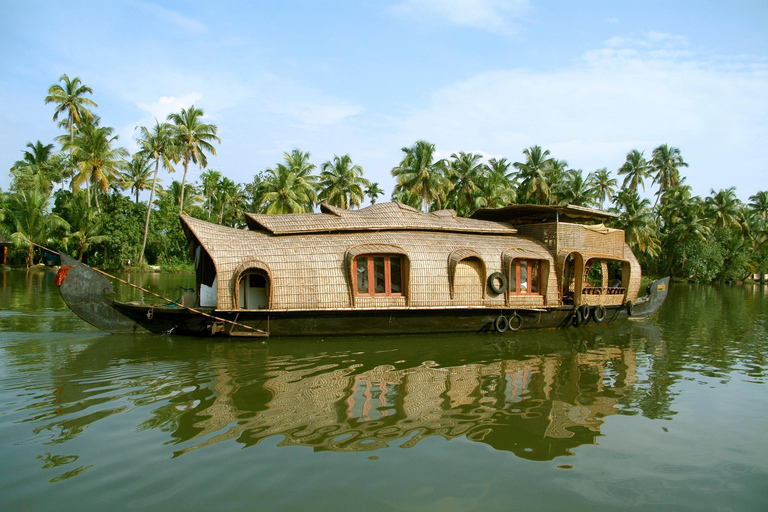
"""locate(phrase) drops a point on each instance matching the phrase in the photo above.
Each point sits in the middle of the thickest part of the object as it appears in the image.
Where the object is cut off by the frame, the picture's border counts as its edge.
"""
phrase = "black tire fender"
(630, 307)
(584, 310)
(502, 282)
(598, 314)
(515, 322)
(501, 324)
(576, 319)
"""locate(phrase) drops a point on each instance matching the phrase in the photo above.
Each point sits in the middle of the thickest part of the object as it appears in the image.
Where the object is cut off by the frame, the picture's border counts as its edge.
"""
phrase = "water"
(666, 414)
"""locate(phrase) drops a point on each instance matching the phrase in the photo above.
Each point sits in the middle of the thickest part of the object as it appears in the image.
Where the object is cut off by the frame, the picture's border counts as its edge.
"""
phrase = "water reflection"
(538, 395)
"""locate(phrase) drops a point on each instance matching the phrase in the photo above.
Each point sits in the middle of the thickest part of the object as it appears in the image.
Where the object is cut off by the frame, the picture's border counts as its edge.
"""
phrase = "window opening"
(524, 277)
(379, 275)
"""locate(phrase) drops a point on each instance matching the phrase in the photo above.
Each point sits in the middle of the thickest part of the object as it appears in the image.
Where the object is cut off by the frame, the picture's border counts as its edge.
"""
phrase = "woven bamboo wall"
(545, 232)
(469, 282)
(309, 271)
(556, 236)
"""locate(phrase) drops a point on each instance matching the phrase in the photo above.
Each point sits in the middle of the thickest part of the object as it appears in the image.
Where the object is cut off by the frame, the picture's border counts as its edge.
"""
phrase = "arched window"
(525, 276)
(466, 276)
(377, 271)
(379, 274)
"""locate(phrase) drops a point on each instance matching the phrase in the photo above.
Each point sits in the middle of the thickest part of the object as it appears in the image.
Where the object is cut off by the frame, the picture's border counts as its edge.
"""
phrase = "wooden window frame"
(387, 275)
(515, 267)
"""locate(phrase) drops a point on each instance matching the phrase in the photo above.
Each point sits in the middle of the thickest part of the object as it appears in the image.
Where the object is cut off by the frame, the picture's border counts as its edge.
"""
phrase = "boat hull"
(88, 293)
(377, 322)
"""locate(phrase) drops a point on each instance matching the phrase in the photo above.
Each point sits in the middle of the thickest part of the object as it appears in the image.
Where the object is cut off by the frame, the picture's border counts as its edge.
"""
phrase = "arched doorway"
(253, 289)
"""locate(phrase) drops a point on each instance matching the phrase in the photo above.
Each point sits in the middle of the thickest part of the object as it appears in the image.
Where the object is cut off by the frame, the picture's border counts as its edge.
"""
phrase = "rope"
(191, 310)
(44, 248)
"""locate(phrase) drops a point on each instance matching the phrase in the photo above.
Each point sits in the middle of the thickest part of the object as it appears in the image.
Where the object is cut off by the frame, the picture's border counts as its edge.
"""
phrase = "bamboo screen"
(309, 271)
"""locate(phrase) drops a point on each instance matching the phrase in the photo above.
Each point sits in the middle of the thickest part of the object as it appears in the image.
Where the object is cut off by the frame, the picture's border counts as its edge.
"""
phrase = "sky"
(589, 81)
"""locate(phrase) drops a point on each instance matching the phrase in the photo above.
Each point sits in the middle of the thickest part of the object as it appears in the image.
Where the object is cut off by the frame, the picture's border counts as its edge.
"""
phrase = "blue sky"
(588, 82)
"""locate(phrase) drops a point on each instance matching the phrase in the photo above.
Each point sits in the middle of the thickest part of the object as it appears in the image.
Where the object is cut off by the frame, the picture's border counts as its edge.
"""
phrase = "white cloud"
(167, 104)
(609, 102)
(491, 15)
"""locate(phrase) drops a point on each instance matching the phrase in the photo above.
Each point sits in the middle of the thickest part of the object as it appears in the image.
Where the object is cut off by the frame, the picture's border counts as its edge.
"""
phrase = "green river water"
(669, 413)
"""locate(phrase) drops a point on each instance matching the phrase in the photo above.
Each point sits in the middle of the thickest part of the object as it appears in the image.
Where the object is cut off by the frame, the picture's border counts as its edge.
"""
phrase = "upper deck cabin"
(594, 264)
(391, 256)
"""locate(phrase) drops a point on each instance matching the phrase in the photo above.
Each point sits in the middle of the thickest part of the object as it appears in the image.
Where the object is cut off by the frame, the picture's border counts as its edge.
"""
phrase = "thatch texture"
(382, 216)
(309, 259)
(314, 271)
(559, 235)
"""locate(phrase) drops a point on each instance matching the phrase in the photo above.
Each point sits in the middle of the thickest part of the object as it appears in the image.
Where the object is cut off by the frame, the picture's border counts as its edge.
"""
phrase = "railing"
(603, 290)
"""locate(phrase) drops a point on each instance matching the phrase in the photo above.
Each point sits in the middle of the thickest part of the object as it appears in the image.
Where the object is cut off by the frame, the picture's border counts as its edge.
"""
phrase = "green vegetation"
(98, 217)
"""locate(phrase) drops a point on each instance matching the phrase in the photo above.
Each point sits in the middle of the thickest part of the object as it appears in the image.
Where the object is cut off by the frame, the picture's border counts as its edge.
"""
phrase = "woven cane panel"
(546, 233)
(526, 300)
(469, 282)
(309, 271)
(606, 241)
(633, 287)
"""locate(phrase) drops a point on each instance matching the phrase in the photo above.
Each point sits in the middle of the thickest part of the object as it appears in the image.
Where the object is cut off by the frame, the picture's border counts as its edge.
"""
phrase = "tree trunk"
(183, 181)
(149, 209)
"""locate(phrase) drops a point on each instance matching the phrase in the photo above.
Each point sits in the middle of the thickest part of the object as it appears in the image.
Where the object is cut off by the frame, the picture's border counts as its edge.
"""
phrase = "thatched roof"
(532, 213)
(377, 217)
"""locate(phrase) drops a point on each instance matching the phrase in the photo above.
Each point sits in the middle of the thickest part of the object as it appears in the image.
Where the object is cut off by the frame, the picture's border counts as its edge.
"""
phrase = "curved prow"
(649, 304)
(88, 295)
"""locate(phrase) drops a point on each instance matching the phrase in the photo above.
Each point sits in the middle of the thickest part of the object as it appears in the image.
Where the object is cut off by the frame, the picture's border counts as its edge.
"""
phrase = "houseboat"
(387, 269)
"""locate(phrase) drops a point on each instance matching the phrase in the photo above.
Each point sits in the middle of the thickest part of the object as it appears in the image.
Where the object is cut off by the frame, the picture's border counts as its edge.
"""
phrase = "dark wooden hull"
(88, 294)
(354, 322)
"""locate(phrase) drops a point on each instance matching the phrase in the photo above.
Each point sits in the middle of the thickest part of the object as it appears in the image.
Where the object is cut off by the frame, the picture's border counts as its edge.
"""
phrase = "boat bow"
(89, 295)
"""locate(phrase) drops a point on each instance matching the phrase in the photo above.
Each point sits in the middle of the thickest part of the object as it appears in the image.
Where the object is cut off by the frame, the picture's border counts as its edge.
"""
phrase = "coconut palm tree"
(420, 174)
(724, 208)
(636, 219)
(496, 188)
(210, 180)
(282, 191)
(88, 224)
(136, 177)
(298, 162)
(158, 145)
(71, 102)
(32, 222)
(684, 222)
(34, 170)
(342, 183)
(373, 191)
(404, 196)
(534, 186)
(603, 185)
(193, 138)
(465, 171)
(666, 163)
(636, 170)
(193, 201)
(758, 204)
(557, 173)
(574, 189)
(98, 162)
(231, 203)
